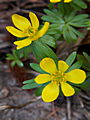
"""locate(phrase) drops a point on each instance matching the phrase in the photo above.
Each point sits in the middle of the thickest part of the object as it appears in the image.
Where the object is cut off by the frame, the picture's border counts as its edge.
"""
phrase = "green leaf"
(88, 28)
(15, 54)
(10, 57)
(31, 86)
(86, 85)
(76, 32)
(41, 50)
(72, 34)
(66, 35)
(61, 8)
(49, 40)
(19, 63)
(50, 13)
(51, 6)
(86, 63)
(49, 19)
(76, 65)
(25, 51)
(28, 81)
(78, 18)
(37, 68)
(64, 20)
(14, 57)
(13, 63)
(39, 91)
(86, 56)
(88, 74)
(72, 15)
(79, 4)
(60, 93)
(88, 24)
(71, 58)
(76, 90)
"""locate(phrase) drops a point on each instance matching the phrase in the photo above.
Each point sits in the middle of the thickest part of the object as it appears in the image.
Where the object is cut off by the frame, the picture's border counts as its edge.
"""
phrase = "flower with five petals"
(27, 29)
(58, 78)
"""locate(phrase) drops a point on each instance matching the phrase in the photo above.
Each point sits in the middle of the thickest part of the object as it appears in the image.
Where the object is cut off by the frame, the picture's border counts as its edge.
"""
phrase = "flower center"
(58, 77)
(31, 31)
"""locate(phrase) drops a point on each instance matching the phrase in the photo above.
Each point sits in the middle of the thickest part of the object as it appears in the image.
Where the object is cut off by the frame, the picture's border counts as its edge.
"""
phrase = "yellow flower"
(26, 29)
(58, 78)
(55, 1)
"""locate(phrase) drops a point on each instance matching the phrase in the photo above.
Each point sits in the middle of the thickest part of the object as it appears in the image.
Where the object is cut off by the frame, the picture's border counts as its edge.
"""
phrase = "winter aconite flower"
(55, 1)
(27, 29)
(58, 78)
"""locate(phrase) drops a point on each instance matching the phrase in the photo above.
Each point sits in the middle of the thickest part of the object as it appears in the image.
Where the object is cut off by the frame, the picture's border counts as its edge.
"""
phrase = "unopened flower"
(58, 78)
(55, 1)
(27, 29)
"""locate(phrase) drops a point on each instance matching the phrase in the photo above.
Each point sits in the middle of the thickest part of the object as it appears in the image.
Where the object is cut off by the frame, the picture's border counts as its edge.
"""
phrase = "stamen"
(58, 77)
(31, 31)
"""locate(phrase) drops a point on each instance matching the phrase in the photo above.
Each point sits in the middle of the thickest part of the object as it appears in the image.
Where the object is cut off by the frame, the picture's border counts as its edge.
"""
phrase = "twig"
(36, 6)
(4, 107)
(19, 9)
(9, 13)
(86, 113)
(68, 109)
(85, 97)
(53, 113)
(27, 11)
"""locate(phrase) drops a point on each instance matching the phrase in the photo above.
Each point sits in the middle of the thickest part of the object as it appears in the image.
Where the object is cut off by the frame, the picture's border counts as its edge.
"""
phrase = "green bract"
(41, 50)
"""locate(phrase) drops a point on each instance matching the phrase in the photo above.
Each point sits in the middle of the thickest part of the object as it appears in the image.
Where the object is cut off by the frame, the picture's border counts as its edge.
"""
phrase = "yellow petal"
(50, 92)
(62, 66)
(23, 43)
(54, 1)
(67, 89)
(15, 32)
(42, 78)
(43, 30)
(76, 76)
(67, 1)
(48, 65)
(34, 20)
(20, 22)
